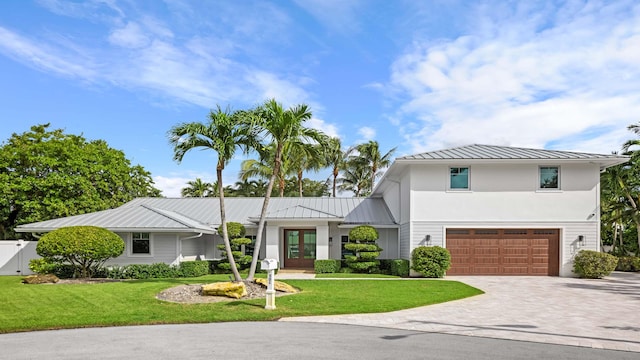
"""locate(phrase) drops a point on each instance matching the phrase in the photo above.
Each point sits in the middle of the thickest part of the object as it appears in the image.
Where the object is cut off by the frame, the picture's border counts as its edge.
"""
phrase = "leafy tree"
(47, 174)
(85, 247)
(250, 188)
(223, 133)
(198, 188)
(280, 128)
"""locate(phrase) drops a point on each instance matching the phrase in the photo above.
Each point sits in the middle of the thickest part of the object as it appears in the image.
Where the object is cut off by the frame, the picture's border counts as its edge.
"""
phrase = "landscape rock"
(41, 279)
(278, 286)
(234, 290)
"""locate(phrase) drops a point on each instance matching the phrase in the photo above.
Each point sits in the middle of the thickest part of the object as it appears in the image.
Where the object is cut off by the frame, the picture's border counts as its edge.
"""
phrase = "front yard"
(39, 307)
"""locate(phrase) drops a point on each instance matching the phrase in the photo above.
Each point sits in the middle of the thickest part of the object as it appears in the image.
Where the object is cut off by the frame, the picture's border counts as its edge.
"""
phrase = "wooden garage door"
(503, 251)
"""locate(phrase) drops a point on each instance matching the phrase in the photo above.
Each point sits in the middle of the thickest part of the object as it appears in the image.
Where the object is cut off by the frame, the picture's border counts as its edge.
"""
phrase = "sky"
(414, 75)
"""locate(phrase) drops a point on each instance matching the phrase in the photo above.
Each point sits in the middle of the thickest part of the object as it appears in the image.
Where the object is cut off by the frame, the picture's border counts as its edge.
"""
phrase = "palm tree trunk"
(265, 206)
(300, 182)
(223, 224)
(335, 178)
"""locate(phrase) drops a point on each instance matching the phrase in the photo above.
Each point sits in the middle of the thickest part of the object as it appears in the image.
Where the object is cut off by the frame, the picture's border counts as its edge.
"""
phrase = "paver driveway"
(593, 313)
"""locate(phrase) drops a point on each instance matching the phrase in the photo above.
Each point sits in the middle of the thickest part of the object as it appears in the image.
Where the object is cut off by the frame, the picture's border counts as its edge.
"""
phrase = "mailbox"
(269, 264)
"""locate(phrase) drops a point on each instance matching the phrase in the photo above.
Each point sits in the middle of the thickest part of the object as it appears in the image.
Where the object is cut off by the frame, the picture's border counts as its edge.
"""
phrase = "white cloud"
(327, 128)
(129, 36)
(44, 57)
(234, 63)
(337, 15)
(526, 78)
(367, 133)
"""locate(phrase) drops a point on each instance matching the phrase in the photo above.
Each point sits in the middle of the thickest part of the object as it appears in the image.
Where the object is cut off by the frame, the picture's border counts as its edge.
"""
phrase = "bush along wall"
(328, 266)
(365, 248)
(593, 264)
(431, 261)
(236, 233)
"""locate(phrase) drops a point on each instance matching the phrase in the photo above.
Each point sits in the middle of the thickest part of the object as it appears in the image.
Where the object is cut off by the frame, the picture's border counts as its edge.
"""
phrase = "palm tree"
(280, 127)
(355, 177)
(223, 133)
(303, 157)
(197, 188)
(336, 159)
(250, 188)
(370, 153)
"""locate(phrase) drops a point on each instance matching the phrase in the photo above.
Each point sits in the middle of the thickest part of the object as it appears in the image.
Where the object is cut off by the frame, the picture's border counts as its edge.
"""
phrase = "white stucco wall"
(504, 193)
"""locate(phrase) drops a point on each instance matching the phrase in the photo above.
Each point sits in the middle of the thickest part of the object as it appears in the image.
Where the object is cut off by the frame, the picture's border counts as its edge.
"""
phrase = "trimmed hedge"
(329, 266)
(193, 268)
(628, 263)
(399, 267)
(593, 264)
(431, 261)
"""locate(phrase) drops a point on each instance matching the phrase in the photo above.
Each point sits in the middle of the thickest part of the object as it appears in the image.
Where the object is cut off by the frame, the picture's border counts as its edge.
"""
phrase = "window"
(344, 239)
(549, 177)
(459, 178)
(140, 244)
(249, 248)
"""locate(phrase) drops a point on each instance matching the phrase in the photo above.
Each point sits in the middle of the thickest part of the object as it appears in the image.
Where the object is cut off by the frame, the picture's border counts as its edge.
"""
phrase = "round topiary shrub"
(593, 264)
(84, 247)
(363, 233)
(234, 230)
(365, 249)
(430, 261)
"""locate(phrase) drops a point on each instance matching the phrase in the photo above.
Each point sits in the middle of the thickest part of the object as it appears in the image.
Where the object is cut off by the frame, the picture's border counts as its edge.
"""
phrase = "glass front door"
(300, 248)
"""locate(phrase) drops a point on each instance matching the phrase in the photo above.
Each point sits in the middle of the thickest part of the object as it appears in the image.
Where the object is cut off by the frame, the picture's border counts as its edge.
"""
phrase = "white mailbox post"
(270, 265)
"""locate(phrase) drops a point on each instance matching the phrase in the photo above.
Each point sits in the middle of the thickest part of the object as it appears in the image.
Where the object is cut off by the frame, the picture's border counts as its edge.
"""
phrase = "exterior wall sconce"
(427, 239)
(581, 240)
(330, 241)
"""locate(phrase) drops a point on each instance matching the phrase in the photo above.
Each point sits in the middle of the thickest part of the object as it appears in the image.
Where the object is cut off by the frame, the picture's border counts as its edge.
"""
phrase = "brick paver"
(592, 313)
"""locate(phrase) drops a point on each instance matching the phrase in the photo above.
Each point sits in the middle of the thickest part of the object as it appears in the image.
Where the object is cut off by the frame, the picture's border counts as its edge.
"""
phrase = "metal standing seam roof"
(479, 152)
(203, 214)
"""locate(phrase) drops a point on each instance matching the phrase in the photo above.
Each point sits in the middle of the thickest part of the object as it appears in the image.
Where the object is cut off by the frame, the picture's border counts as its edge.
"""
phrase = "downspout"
(180, 244)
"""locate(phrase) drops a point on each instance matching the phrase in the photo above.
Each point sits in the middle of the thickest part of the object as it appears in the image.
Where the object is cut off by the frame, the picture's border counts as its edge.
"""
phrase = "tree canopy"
(46, 174)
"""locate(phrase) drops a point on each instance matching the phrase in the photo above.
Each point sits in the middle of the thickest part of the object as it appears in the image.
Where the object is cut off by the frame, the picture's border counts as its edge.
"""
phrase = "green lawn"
(38, 307)
(354, 276)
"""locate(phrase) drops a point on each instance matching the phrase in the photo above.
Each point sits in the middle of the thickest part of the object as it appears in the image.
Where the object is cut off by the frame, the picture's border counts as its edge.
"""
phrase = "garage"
(504, 251)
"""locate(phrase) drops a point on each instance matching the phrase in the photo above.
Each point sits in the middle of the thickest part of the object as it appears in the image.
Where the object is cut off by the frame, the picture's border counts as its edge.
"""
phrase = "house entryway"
(504, 251)
(299, 248)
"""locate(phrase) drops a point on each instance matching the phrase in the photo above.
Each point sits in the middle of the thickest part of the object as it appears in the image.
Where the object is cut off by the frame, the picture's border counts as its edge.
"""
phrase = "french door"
(299, 248)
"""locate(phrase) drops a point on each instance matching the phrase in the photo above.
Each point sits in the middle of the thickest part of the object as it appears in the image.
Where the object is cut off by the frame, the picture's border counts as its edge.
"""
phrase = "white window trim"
(468, 188)
(541, 189)
(130, 246)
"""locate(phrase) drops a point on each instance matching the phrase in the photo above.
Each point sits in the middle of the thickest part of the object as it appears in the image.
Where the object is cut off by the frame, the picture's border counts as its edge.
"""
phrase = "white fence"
(15, 256)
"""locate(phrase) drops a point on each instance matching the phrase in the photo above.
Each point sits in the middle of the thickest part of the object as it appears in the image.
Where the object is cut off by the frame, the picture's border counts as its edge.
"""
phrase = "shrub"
(365, 249)
(326, 266)
(363, 233)
(86, 247)
(42, 266)
(193, 268)
(234, 230)
(628, 263)
(399, 267)
(431, 261)
(593, 264)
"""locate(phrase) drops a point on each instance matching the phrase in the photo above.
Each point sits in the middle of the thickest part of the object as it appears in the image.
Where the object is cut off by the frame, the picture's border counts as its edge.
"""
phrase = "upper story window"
(140, 244)
(549, 177)
(459, 178)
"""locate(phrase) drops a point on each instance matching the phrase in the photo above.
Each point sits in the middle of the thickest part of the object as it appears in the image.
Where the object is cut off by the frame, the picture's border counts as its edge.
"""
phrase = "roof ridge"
(167, 213)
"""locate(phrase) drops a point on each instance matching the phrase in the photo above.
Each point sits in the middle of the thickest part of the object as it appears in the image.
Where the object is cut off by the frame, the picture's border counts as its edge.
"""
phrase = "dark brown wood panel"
(504, 251)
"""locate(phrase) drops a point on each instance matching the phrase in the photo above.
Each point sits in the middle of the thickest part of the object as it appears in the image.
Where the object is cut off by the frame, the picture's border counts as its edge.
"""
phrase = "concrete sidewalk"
(566, 311)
